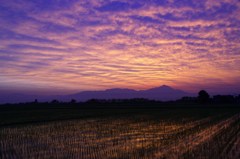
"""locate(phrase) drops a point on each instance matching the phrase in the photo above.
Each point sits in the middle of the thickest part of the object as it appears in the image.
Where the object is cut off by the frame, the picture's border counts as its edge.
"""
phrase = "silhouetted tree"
(223, 99)
(237, 98)
(203, 96)
(54, 101)
(73, 101)
(188, 99)
(35, 101)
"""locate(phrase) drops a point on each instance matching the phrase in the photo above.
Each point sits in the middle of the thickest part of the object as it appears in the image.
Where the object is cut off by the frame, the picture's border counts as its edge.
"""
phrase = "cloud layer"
(72, 45)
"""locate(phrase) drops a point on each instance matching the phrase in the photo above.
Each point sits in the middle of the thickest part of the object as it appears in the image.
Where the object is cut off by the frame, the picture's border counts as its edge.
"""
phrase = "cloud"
(211, 4)
(82, 45)
(114, 6)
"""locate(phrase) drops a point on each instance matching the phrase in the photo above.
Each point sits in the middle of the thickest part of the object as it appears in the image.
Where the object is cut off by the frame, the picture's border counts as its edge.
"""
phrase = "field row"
(140, 136)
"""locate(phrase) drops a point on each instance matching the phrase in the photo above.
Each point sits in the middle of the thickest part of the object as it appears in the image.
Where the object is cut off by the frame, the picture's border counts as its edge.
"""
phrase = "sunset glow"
(67, 46)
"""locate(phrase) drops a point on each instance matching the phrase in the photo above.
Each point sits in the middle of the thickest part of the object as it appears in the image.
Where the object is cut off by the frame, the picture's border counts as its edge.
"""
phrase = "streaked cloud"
(94, 44)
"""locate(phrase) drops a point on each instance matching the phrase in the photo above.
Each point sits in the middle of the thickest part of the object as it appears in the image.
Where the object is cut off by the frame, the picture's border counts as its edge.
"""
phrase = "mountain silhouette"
(163, 93)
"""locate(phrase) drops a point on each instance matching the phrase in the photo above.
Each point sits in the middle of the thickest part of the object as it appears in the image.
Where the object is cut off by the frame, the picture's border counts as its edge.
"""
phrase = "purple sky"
(67, 46)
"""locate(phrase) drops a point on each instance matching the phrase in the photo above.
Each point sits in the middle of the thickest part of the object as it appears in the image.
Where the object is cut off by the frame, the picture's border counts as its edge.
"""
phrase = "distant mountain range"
(163, 93)
(159, 93)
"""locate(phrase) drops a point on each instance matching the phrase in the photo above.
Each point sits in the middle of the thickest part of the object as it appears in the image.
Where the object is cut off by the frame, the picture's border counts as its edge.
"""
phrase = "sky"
(67, 46)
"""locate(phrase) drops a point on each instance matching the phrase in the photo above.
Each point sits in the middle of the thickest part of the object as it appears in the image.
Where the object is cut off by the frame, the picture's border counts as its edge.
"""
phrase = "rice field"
(140, 136)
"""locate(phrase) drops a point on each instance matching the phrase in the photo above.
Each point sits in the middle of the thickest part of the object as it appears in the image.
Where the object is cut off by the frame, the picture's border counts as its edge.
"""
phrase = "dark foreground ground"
(21, 114)
(166, 131)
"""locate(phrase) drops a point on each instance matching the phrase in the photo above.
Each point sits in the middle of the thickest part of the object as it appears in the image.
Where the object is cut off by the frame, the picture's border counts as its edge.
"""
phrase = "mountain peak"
(162, 88)
(165, 87)
(163, 93)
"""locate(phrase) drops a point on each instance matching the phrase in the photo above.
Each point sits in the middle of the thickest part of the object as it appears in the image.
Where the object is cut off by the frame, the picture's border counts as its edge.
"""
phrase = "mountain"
(116, 93)
(163, 93)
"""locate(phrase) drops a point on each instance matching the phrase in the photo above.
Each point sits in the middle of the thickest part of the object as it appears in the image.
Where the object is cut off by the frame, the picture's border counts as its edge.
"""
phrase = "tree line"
(203, 98)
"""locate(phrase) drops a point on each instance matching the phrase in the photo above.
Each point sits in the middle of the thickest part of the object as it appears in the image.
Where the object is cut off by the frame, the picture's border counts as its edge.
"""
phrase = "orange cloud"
(88, 49)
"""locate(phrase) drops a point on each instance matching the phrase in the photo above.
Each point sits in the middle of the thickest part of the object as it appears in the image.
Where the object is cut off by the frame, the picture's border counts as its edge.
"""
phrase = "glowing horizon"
(68, 46)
